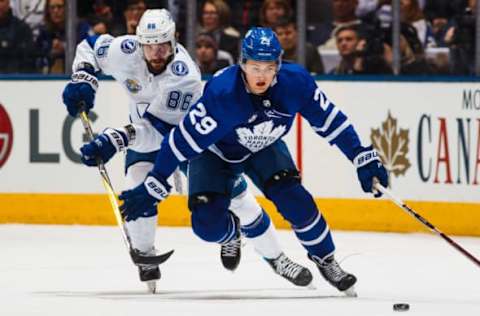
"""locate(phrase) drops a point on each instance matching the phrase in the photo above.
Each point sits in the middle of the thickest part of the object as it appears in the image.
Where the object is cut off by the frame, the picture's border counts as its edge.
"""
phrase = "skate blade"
(350, 292)
(151, 286)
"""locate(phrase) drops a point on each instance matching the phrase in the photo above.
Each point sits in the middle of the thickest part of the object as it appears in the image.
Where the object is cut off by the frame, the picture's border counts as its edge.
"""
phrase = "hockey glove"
(140, 201)
(369, 167)
(81, 89)
(104, 146)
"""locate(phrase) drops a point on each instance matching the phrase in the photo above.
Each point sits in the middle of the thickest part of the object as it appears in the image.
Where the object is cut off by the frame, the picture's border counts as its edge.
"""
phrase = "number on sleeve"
(205, 124)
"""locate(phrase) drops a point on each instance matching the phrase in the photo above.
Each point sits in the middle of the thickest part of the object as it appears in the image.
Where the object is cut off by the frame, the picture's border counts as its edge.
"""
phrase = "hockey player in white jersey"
(161, 81)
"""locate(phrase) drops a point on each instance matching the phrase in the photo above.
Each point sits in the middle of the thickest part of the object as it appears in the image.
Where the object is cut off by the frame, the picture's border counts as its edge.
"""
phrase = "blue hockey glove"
(81, 89)
(104, 146)
(142, 199)
(369, 167)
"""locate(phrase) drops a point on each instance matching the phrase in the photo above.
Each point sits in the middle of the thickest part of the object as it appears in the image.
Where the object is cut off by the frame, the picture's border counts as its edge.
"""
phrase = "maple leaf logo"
(262, 135)
(391, 144)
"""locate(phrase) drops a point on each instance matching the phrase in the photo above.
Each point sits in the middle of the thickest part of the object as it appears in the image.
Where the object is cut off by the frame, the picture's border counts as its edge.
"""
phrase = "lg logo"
(6, 136)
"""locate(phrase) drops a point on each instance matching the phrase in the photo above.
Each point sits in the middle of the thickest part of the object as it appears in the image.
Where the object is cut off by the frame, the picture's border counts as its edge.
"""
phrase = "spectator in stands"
(440, 14)
(102, 19)
(316, 19)
(274, 10)
(207, 55)
(462, 40)
(286, 30)
(372, 55)
(131, 15)
(343, 15)
(50, 37)
(244, 13)
(375, 11)
(15, 42)
(411, 13)
(215, 19)
(347, 40)
(29, 11)
(98, 25)
(413, 61)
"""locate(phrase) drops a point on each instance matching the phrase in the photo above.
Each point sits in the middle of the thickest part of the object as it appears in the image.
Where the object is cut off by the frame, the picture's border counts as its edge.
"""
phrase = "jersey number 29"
(203, 123)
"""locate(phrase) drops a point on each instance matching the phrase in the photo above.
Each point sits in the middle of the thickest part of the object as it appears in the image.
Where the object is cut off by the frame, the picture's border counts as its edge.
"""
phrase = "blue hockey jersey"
(234, 123)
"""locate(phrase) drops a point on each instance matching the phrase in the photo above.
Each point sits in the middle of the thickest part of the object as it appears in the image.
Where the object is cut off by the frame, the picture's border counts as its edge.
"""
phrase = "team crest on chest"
(179, 68)
(260, 136)
(132, 85)
(128, 46)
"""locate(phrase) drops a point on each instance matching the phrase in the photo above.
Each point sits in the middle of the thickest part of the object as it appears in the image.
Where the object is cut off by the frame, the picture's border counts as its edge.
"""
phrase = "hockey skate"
(290, 270)
(231, 252)
(149, 274)
(335, 275)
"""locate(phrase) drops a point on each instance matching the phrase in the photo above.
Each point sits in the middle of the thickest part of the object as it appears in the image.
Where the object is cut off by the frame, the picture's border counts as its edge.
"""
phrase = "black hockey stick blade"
(143, 259)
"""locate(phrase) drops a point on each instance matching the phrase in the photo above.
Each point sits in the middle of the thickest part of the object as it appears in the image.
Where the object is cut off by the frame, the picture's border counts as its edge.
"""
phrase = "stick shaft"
(426, 223)
(137, 257)
(106, 182)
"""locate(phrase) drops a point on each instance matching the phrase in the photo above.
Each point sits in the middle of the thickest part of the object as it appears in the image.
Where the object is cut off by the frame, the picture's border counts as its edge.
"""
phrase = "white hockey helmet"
(156, 26)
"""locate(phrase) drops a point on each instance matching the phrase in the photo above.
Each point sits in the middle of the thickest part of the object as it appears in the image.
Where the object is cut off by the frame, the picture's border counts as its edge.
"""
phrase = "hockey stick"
(422, 220)
(137, 258)
(177, 180)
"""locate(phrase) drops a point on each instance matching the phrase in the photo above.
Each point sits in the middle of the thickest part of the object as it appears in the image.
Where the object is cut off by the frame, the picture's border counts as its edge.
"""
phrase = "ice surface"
(79, 270)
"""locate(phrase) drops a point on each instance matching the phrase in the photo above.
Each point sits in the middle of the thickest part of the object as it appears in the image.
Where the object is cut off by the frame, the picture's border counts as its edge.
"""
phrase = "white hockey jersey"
(167, 96)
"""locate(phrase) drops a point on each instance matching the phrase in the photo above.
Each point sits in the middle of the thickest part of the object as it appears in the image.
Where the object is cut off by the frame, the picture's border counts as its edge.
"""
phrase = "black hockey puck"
(401, 307)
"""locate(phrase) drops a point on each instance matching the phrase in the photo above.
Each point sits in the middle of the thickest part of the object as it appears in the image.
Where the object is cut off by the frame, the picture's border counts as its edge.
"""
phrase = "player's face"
(259, 75)
(157, 55)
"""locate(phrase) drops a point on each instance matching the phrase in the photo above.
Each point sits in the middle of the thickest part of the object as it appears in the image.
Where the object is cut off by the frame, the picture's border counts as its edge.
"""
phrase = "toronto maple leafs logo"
(262, 135)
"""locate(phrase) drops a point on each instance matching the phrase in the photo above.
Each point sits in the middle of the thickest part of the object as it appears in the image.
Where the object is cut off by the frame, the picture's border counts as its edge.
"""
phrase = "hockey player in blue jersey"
(161, 81)
(236, 127)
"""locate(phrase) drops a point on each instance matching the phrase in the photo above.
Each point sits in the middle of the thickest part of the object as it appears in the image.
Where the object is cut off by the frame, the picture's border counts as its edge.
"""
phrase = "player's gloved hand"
(369, 167)
(80, 90)
(143, 198)
(104, 146)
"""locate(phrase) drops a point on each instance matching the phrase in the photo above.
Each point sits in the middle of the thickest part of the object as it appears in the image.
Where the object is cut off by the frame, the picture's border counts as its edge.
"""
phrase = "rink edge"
(342, 214)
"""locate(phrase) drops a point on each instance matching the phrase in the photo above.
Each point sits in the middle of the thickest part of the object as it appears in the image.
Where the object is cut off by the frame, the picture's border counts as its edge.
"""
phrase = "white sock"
(142, 233)
(267, 244)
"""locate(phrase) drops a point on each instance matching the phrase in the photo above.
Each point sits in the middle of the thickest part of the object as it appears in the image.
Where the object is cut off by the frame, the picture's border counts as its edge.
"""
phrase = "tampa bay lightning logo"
(179, 68)
(132, 85)
(128, 46)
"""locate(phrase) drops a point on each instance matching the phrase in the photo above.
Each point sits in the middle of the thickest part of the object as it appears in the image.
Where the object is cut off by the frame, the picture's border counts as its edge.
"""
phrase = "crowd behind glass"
(343, 36)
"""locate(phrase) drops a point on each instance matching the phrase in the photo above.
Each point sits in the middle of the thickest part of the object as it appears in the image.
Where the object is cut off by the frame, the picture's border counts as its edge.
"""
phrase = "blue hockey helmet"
(261, 44)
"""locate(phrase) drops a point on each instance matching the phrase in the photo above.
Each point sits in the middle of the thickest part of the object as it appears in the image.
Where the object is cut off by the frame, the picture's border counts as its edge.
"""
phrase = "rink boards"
(427, 132)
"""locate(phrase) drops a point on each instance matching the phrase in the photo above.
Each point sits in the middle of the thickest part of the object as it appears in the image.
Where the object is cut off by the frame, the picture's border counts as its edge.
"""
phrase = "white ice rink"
(76, 270)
